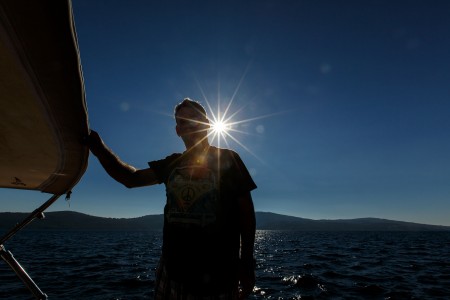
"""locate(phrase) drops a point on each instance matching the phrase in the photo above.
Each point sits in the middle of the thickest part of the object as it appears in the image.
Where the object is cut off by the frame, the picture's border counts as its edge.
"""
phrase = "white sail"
(43, 116)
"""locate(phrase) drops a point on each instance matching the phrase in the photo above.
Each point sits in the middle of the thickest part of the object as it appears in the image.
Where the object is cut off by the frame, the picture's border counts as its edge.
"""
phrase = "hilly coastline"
(68, 220)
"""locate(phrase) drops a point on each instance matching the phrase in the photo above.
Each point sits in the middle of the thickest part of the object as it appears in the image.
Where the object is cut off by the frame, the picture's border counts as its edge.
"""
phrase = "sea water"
(290, 265)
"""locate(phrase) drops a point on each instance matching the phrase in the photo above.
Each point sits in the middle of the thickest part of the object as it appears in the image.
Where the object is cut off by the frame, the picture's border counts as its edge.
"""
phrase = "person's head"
(192, 122)
(195, 105)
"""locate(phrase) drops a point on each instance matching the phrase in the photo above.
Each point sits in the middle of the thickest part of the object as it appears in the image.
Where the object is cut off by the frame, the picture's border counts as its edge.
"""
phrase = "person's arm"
(117, 169)
(247, 223)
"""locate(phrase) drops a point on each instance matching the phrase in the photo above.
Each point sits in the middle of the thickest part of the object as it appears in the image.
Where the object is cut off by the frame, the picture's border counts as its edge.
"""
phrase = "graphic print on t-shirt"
(192, 196)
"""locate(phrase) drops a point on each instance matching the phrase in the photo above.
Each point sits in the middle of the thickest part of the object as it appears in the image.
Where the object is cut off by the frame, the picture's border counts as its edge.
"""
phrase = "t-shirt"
(201, 238)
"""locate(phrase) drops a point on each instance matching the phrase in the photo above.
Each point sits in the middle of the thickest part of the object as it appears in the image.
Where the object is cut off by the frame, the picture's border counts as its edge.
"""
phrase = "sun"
(220, 127)
(226, 124)
(226, 127)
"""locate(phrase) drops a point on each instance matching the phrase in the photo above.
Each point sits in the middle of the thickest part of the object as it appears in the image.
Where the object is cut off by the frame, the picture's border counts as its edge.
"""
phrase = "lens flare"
(226, 123)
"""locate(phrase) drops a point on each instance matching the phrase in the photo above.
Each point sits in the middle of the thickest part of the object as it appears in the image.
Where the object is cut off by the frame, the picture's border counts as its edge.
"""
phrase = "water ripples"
(290, 265)
(354, 265)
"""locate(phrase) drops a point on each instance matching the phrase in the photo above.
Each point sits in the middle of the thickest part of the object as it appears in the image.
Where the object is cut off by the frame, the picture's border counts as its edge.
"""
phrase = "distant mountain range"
(68, 220)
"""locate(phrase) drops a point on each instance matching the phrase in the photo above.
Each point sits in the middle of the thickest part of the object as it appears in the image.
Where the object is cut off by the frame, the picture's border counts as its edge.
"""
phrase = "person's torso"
(201, 236)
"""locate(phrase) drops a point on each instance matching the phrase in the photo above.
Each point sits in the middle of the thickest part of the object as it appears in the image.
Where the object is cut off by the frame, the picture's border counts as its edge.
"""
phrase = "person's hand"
(94, 142)
(247, 279)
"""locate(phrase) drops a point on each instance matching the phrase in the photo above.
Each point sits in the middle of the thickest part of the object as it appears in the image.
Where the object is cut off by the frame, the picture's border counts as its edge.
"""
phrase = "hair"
(187, 102)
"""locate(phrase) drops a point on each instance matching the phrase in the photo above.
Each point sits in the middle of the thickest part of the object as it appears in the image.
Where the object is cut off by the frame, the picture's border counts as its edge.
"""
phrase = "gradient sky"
(346, 104)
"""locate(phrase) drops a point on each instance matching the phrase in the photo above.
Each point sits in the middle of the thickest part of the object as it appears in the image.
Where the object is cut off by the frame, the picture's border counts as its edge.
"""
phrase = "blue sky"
(345, 103)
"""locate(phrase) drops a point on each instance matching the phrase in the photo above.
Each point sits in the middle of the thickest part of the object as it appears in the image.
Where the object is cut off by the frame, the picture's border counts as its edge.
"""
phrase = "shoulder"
(165, 161)
(224, 153)
(235, 171)
(162, 167)
(229, 159)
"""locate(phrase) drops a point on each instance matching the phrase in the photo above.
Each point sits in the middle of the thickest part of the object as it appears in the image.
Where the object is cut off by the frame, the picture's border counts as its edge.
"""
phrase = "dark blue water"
(290, 265)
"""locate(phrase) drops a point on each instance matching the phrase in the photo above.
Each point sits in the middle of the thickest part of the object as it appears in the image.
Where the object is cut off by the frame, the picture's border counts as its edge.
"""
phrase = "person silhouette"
(209, 219)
